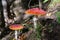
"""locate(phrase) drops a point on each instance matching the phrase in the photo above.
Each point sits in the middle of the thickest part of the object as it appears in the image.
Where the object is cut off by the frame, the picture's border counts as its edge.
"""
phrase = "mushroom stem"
(35, 22)
(16, 34)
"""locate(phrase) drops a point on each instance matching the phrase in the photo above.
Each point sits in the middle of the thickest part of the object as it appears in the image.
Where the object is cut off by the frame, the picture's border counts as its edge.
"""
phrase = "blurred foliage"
(58, 16)
(53, 3)
(45, 1)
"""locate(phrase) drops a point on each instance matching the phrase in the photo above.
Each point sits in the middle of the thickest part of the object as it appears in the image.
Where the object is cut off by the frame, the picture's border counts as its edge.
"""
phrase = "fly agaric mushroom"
(35, 12)
(16, 27)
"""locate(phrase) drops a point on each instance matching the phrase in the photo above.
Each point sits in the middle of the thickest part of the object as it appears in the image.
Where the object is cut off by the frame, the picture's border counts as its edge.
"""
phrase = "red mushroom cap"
(35, 11)
(16, 27)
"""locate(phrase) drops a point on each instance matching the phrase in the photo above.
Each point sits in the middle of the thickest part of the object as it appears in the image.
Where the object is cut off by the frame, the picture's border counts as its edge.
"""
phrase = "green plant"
(38, 31)
(58, 16)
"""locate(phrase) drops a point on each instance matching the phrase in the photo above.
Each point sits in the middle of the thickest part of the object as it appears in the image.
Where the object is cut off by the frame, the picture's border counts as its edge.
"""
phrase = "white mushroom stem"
(16, 34)
(35, 22)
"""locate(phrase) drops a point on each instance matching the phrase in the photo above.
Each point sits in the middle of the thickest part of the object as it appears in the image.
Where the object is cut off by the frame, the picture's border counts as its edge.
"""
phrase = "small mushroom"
(35, 12)
(16, 27)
